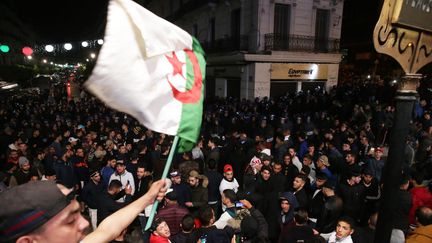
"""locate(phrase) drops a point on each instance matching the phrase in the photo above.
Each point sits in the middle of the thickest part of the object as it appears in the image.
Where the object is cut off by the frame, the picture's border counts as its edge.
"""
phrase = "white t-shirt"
(233, 185)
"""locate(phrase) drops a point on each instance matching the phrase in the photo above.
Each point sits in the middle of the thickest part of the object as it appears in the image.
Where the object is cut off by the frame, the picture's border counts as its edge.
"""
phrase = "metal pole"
(405, 98)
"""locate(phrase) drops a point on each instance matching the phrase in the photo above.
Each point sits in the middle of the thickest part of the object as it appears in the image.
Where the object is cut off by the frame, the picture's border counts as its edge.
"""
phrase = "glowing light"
(100, 42)
(87, 60)
(84, 44)
(92, 55)
(51, 63)
(4, 48)
(368, 77)
(27, 51)
(29, 57)
(44, 61)
(68, 46)
(49, 48)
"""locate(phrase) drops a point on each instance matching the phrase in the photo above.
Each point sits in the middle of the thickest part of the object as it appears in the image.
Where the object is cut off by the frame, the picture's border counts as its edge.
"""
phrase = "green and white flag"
(152, 70)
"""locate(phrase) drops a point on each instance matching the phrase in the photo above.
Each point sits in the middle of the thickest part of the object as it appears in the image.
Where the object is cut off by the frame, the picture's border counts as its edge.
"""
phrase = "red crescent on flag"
(192, 95)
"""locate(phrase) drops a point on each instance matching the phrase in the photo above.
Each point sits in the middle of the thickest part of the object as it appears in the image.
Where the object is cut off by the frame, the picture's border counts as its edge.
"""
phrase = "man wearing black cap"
(26, 216)
(332, 210)
(90, 192)
(353, 195)
(181, 188)
(316, 202)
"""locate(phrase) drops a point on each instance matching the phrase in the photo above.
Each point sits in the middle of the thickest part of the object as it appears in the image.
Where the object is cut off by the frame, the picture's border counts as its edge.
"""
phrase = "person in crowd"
(253, 228)
(228, 182)
(228, 200)
(290, 171)
(107, 202)
(252, 174)
(308, 162)
(22, 175)
(278, 177)
(353, 195)
(160, 231)
(317, 200)
(300, 191)
(182, 190)
(108, 170)
(322, 165)
(187, 226)
(64, 170)
(420, 194)
(198, 191)
(423, 233)
(90, 194)
(208, 231)
(143, 180)
(372, 193)
(376, 164)
(125, 177)
(332, 210)
(172, 213)
(299, 231)
(343, 232)
(214, 195)
(56, 216)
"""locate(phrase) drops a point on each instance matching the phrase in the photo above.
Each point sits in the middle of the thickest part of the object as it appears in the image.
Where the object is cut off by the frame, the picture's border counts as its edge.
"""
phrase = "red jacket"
(158, 239)
(421, 196)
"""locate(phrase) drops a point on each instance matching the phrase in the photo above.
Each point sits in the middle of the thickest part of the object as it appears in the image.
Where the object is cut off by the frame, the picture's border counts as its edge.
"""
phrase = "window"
(211, 32)
(235, 28)
(322, 24)
(281, 30)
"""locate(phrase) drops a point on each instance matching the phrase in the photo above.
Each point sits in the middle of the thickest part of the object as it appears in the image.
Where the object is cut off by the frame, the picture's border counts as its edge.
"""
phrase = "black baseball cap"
(23, 209)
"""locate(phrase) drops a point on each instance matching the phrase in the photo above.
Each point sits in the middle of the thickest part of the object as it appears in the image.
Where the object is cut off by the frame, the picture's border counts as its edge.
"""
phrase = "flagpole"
(164, 176)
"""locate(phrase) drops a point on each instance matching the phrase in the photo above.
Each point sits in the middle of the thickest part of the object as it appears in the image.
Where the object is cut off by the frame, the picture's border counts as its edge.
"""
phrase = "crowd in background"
(305, 166)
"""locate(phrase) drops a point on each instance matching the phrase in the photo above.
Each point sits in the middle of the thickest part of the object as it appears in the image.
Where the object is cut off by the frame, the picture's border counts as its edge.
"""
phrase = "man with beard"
(182, 190)
(124, 176)
(89, 195)
(65, 171)
(300, 191)
(22, 175)
(80, 166)
(199, 192)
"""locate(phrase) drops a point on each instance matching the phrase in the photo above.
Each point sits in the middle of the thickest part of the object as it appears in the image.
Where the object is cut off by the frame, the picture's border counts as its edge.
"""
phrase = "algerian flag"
(152, 70)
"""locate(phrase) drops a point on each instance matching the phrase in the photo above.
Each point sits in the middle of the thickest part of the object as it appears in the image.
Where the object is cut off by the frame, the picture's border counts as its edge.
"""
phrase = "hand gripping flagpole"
(164, 176)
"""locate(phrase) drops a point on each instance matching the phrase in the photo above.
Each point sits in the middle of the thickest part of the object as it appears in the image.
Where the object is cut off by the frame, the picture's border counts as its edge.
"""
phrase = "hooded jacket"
(422, 234)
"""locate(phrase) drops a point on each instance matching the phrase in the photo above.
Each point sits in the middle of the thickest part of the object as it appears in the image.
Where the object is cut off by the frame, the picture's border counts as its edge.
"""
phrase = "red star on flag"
(177, 65)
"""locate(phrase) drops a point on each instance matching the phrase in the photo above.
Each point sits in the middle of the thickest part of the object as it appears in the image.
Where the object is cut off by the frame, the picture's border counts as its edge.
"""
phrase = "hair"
(266, 168)
(277, 163)
(206, 215)
(187, 223)
(230, 194)
(302, 177)
(306, 169)
(308, 156)
(301, 216)
(424, 215)
(418, 176)
(347, 220)
(212, 164)
(142, 165)
(114, 184)
(156, 223)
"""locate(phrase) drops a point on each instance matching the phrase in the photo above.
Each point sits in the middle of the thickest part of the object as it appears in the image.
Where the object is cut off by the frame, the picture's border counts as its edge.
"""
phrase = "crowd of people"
(305, 166)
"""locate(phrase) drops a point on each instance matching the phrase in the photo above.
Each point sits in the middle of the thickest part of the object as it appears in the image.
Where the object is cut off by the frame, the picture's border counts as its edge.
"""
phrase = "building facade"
(258, 48)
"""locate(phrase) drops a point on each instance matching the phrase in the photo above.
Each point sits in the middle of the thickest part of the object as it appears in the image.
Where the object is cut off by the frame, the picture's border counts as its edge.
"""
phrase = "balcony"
(227, 44)
(275, 42)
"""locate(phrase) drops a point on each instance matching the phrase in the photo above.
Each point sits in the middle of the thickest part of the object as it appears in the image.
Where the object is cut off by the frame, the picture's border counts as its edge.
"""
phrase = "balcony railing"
(227, 44)
(275, 42)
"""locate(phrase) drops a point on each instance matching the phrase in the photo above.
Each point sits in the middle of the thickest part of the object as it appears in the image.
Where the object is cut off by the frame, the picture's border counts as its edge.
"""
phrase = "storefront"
(295, 77)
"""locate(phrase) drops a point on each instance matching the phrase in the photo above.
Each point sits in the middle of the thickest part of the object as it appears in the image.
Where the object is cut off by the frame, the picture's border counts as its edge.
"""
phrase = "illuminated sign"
(286, 71)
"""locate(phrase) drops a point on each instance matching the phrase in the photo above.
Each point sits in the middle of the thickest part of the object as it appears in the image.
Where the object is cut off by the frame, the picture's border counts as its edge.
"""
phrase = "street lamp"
(49, 48)
(68, 46)
(100, 42)
(84, 44)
